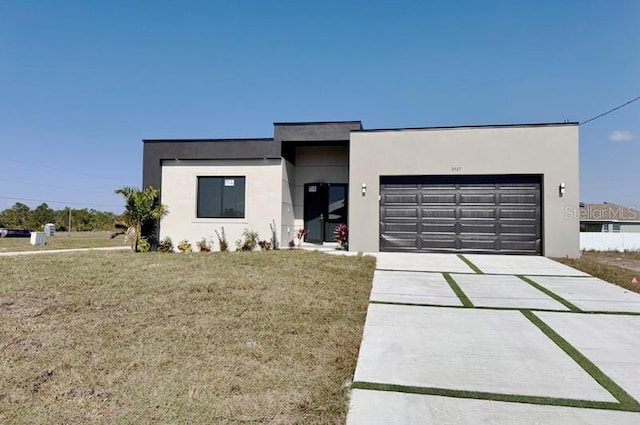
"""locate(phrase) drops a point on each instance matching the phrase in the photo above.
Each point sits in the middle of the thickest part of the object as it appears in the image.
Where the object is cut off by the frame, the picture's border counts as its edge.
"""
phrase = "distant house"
(608, 217)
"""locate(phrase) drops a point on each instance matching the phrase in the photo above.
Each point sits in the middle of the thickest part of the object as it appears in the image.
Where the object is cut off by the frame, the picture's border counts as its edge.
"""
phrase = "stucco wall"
(288, 230)
(263, 198)
(548, 150)
(318, 164)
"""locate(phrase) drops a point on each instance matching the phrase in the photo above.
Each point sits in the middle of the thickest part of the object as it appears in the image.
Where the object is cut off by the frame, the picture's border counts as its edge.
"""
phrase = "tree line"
(20, 216)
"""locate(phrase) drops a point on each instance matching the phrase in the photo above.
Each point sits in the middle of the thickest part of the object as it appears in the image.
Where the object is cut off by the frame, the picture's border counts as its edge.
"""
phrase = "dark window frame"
(221, 206)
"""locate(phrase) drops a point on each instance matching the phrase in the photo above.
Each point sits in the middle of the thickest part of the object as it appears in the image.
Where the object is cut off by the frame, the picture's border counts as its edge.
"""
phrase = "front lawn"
(63, 240)
(116, 337)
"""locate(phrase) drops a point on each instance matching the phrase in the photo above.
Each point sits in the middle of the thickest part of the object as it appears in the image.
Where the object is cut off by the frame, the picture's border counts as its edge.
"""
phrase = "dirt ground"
(628, 260)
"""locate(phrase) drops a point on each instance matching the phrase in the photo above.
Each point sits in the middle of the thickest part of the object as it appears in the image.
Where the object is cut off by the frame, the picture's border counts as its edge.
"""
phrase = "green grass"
(470, 264)
(599, 264)
(63, 240)
(458, 291)
(551, 294)
(116, 337)
(627, 402)
(479, 395)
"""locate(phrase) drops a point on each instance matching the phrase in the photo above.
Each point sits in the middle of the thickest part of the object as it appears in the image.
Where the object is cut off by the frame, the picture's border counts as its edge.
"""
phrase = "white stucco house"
(489, 189)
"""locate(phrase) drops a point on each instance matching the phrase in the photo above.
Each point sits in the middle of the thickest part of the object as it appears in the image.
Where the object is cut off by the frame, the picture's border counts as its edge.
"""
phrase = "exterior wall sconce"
(364, 189)
(561, 189)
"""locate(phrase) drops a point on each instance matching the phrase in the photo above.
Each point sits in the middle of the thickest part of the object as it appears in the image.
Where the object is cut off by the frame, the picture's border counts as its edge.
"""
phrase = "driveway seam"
(470, 264)
(587, 365)
(466, 302)
(551, 294)
(480, 395)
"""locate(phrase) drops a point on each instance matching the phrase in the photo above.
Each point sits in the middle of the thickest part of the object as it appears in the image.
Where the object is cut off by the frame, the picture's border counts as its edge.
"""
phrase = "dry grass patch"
(614, 267)
(267, 337)
(63, 240)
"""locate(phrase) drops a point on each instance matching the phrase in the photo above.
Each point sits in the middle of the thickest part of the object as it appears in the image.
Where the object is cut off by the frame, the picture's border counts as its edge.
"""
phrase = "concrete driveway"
(490, 339)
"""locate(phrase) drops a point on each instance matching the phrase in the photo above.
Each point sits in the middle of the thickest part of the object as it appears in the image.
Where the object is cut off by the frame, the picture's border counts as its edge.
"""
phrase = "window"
(220, 197)
(616, 227)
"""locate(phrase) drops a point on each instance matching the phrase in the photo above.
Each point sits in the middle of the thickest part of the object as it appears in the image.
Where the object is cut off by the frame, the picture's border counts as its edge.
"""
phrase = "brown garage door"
(494, 214)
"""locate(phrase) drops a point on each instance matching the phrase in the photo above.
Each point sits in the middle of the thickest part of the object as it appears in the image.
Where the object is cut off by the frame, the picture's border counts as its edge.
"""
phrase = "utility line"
(609, 111)
(60, 202)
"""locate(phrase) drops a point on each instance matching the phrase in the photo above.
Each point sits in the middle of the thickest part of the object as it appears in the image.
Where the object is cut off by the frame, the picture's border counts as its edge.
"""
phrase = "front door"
(325, 207)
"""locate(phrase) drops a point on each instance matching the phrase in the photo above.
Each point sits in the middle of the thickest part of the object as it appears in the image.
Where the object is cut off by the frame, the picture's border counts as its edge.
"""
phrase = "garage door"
(498, 214)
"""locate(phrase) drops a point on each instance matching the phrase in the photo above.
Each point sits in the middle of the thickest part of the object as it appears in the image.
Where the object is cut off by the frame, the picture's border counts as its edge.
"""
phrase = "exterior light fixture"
(561, 189)
(364, 189)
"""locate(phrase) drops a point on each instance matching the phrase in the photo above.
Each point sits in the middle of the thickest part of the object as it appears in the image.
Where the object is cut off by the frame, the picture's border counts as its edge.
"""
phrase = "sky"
(83, 82)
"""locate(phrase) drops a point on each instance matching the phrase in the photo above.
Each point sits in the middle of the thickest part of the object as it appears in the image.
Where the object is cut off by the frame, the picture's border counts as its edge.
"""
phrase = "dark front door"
(325, 207)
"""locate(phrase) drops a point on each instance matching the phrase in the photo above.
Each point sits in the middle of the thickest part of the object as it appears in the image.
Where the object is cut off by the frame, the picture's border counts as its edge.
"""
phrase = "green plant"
(238, 244)
(341, 235)
(265, 245)
(184, 246)
(292, 244)
(203, 245)
(141, 208)
(274, 234)
(143, 245)
(250, 240)
(165, 245)
(222, 241)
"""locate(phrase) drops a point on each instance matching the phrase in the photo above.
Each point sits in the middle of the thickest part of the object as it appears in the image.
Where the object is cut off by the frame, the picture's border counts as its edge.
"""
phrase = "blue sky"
(82, 82)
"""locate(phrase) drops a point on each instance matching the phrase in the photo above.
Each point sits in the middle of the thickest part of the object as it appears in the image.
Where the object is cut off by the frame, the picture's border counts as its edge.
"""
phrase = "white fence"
(609, 241)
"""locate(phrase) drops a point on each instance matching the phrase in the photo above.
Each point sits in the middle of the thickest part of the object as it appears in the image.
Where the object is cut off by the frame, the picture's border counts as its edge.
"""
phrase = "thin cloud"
(621, 136)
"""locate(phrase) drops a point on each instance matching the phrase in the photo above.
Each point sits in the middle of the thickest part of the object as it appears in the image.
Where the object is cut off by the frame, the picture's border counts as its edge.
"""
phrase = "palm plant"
(141, 207)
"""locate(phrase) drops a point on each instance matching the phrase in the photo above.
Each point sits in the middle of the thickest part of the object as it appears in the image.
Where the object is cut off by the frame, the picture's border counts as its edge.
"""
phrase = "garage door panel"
(442, 213)
(401, 213)
(401, 199)
(435, 199)
(475, 227)
(480, 198)
(401, 227)
(461, 214)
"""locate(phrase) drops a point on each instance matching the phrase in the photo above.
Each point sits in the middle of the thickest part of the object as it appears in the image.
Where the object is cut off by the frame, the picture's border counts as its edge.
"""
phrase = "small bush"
(143, 245)
(184, 245)
(274, 234)
(250, 240)
(265, 245)
(238, 244)
(203, 245)
(292, 244)
(222, 241)
(165, 245)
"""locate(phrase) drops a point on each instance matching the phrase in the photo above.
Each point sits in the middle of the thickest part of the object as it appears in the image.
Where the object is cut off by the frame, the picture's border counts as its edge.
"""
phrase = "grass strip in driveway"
(479, 395)
(551, 294)
(470, 264)
(628, 402)
(458, 291)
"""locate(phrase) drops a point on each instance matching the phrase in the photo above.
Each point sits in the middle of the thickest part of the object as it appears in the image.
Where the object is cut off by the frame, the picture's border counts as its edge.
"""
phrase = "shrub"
(165, 245)
(222, 241)
(143, 245)
(250, 240)
(292, 244)
(203, 245)
(341, 235)
(238, 244)
(265, 245)
(274, 234)
(184, 246)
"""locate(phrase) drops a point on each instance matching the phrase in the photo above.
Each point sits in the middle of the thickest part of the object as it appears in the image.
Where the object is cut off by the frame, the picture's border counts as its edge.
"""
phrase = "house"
(488, 189)
(608, 217)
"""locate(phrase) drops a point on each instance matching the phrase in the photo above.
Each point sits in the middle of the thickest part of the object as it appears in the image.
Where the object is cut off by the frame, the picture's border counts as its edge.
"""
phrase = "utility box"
(50, 229)
(38, 238)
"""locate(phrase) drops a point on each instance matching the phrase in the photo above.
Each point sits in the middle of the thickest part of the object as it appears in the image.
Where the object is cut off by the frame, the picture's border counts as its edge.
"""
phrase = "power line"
(60, 202)
(610, 111)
